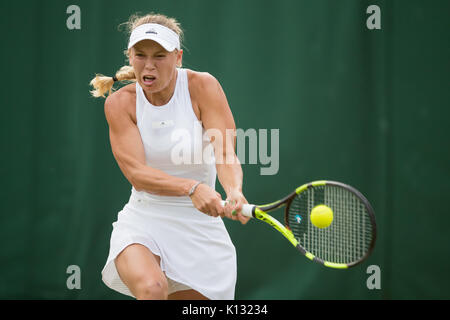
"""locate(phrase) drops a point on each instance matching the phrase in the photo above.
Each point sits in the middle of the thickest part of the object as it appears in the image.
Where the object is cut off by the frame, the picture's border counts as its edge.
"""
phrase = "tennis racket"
(346, 242)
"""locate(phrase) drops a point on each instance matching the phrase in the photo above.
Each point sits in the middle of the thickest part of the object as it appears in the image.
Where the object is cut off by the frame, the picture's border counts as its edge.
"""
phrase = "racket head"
(351, 236)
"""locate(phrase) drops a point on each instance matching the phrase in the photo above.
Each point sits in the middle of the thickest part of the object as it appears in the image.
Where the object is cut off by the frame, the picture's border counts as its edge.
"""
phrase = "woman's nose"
(150, 64)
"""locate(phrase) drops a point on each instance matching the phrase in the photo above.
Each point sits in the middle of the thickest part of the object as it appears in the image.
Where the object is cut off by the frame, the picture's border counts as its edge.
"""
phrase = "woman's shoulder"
(123, 100)
(125, 93)
(200, 78)
(201, 83)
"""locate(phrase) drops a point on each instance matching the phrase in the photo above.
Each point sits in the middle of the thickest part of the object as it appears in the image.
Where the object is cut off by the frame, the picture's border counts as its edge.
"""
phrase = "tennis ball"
(321, 216)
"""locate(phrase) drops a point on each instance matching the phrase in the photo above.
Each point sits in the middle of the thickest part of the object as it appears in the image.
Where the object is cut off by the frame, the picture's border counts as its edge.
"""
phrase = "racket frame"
(260, 212)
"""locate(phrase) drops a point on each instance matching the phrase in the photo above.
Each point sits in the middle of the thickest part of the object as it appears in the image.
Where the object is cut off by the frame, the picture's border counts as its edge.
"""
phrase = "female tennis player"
(169, 241)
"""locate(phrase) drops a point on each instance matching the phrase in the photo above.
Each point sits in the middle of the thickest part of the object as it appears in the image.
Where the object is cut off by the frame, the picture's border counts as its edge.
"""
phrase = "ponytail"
(103, 84)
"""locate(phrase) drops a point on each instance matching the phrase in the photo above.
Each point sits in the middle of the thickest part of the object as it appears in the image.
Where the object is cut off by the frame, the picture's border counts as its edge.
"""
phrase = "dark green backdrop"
(366, 107)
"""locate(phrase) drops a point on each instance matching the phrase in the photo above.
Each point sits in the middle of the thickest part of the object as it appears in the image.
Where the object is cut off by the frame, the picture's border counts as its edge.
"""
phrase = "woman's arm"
(218, 120)
(129, 153)
(126, 145)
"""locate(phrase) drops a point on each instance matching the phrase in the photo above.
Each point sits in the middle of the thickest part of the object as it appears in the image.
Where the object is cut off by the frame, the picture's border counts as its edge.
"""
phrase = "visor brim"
(165, 44)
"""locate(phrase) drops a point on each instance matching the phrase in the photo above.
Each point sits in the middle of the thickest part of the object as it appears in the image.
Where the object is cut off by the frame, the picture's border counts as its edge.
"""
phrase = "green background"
(366, 107)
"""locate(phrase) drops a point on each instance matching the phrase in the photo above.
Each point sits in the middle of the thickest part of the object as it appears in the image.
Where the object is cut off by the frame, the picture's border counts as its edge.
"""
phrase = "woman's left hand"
(235, 200)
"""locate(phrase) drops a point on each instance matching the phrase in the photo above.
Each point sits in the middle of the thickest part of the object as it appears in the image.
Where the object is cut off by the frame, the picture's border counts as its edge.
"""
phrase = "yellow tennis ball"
(321, 216)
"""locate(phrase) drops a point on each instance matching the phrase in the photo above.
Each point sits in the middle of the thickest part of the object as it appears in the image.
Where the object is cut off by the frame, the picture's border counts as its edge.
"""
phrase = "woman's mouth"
(148, 80)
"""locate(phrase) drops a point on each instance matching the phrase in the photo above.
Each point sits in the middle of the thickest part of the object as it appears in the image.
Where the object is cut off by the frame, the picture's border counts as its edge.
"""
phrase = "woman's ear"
(130, 56)
(180, 58)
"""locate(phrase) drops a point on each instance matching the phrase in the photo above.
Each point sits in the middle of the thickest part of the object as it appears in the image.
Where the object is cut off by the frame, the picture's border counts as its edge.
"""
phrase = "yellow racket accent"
(261, 215)
(314, 184)
(309, 255)
(335, 265)
(301, 188)
(319, 183)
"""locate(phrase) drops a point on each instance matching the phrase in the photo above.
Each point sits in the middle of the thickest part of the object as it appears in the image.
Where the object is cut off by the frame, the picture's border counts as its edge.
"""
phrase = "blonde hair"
(104, 84)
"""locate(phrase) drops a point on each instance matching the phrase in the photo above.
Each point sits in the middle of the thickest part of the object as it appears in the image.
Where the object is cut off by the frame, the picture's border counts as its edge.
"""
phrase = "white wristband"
(191, 192)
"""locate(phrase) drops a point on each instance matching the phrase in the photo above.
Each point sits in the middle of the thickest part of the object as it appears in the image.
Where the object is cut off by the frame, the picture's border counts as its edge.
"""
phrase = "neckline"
(171, 98)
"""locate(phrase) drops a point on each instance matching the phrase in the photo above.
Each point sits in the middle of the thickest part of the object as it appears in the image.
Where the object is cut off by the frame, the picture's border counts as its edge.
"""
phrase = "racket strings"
(349, 236)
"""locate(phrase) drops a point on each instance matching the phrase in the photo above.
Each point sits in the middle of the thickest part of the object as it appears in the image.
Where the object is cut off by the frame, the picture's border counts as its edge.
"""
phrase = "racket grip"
(247, 209)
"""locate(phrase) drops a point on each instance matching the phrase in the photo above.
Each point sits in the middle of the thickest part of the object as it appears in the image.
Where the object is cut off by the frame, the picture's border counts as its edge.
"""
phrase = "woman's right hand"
(207, 200)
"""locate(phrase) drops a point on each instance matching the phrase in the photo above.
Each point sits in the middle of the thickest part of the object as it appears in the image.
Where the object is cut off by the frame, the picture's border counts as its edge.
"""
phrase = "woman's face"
(153, 66)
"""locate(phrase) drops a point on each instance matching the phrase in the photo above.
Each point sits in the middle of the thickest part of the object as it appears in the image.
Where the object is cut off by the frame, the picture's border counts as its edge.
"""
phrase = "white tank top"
(174, 140)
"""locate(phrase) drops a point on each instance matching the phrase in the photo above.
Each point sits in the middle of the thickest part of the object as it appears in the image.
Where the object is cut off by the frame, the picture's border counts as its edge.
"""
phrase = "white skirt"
(196, 251)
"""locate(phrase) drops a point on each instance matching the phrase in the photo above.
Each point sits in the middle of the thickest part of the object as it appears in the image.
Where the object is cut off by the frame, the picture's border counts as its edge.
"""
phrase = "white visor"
(156, 32)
